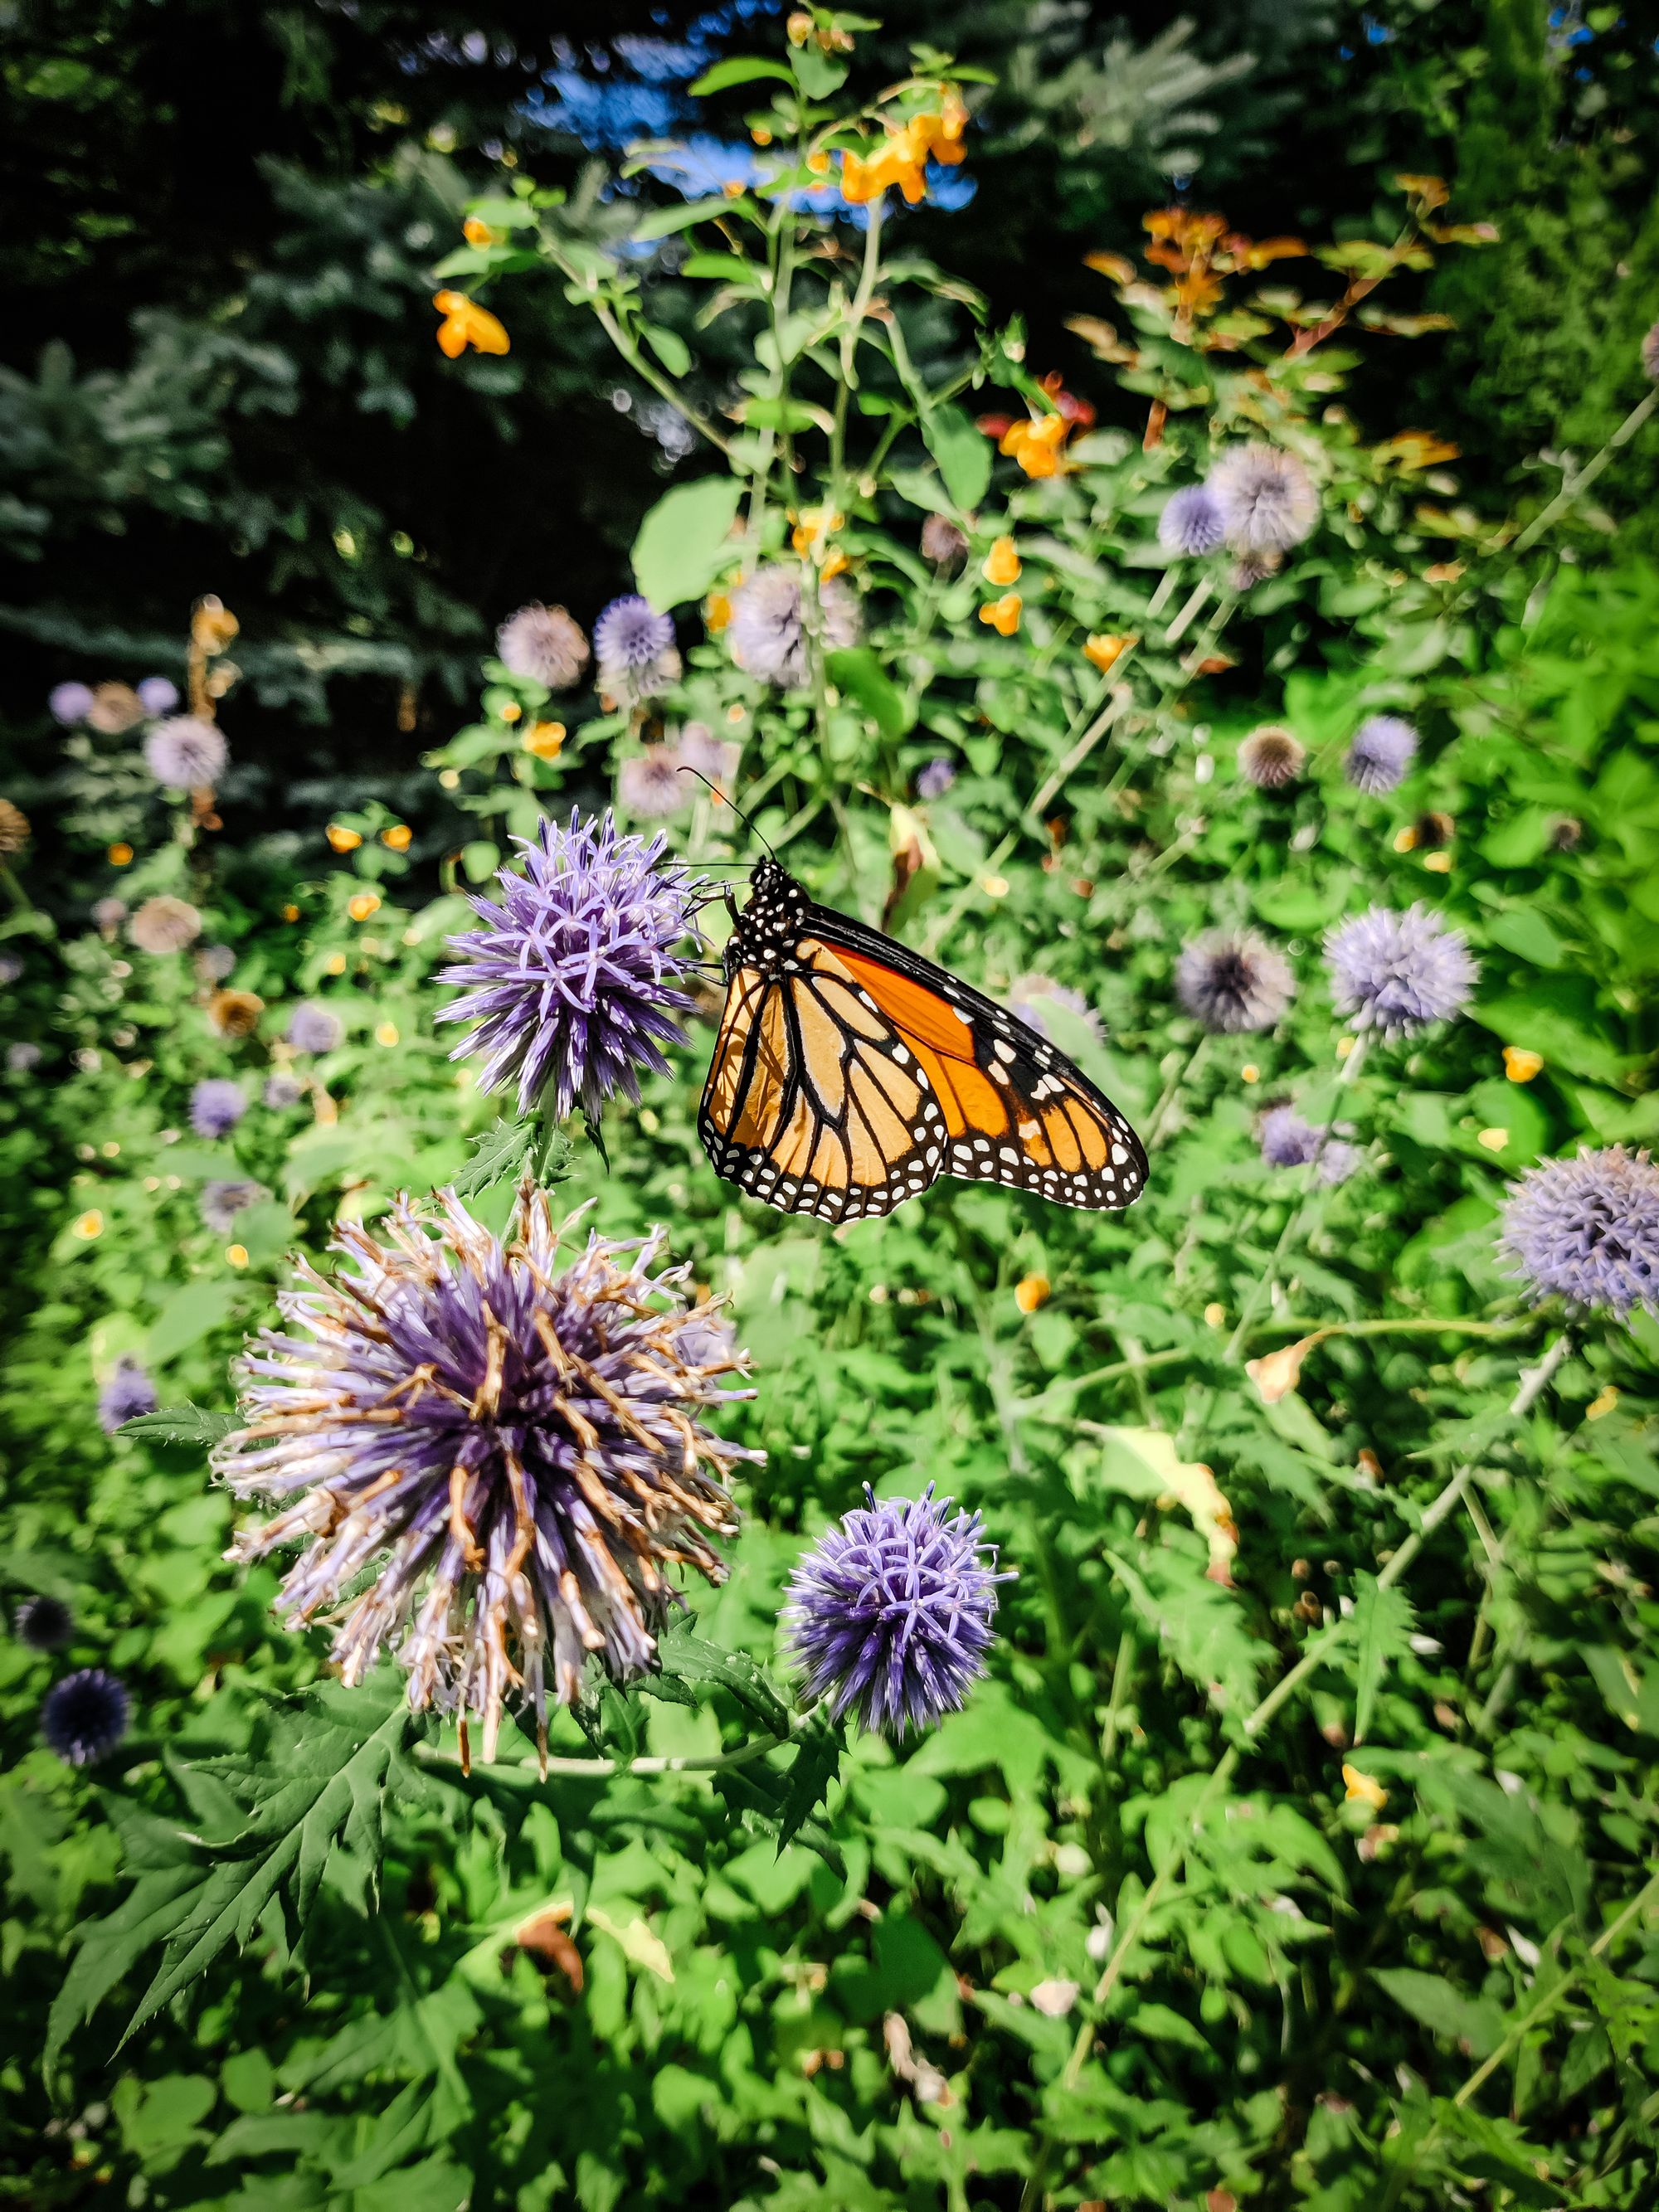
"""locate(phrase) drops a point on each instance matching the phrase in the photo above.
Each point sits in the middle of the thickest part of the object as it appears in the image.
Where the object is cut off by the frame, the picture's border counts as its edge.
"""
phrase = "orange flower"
(1001, 564)
(1521, 1065)
(466, 324)
(1003, 614)
(362, 905)
(1106, 651)
(544, 739)
(120, 855)
(717, 612)
(342, 840)
(478, 234)
(398, 838)
(1030, 1292)
(1036, 446)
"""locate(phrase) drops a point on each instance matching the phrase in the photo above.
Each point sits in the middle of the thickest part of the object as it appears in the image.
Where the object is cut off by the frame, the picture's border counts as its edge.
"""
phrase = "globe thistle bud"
(943, 542)
(1250, 569)
(214, 963)
(649, 785)
(225, 1197)
(889, 1613)
(1191, 524)
(544, 645)
(1264, 497)
(1271, 758)
(631, 634)
(44, 1623)
(234, 1014)
(1233, 980)
(115, 709)
(934, 778)
(572, 979)
(185, 753)
(1382, 749)
(282, 1090)
(510, 1440)
(216, 1106)
(84, 1716)
(768, 631)
(14, 831)
(128, 1393)
(1567, 835)
(625, 684)
(158, 695)
(314, 1029)
(1586, 1230)
(164, 924)
(70, 704)
(1288, 1141)
(1399, 972)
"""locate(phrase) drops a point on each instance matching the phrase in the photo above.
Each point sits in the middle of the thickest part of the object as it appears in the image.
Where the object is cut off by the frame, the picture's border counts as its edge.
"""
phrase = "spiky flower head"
(1271, 758)
(1288, 1141)
(234, 1014)
(44, 1623)
(516, 1450)
(164, 924)
(225, 1197)
(1586, 1230)
(85, 1715)
(1651, 355)
(186, 753)
(1191, 523)
(699, 748)
(890, 1612)
(314, 1029)
(217, 1105)
(649, 785)
(14, 829)
(282, 1090)
(768, 631)
(573, 978)
(631, 634)
(1399, 972)
(214, 962)
(935, 777)
(70, 704)
(114, 710)
(544, 645)
(1264, 497)
(1233, 980)
(158, 695)
(1250, 569)
(1383, 748)
(128, 1393)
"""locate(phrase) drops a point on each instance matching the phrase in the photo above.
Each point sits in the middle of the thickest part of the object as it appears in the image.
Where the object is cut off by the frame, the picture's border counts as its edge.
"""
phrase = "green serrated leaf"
(180, 1425)
(1382, 1620)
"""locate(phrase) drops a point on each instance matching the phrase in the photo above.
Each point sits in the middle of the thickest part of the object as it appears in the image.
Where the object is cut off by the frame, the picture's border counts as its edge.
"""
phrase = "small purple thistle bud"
(314, 1029)
(1399, 972)
(512, 1441)
(225, 1197)
(1033, 1000)
(1233, 980)
(572, 979)
(85, 1715)
(934, 778)
(889, 1613)
(44, 1624)
(22, 1059)
(1191, 525)
(768, 631)
(630, 633)
(158, 695)
(70, 704)
(1264, 497)
(216, 1106)
(1586, 1230)
(128, 1393)
(282, 1090)
(1383, 750)
(1288, 1141)
(544, 645)
(943, 542)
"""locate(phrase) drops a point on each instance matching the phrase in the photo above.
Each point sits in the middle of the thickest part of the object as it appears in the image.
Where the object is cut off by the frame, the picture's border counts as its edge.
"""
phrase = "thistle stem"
(1574, 481)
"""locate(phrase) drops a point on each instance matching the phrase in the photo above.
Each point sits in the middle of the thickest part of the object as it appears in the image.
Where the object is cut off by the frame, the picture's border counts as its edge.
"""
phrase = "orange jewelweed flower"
(398, 838)
(478, 234)
(1003, 614)
(363, 904)
(1030, 1292)
(342, 840)
(1107, 651)
(1036, 446)
(544, 739)
(1521, 1065)
(1001, 564)
(716, 613)
(466, 324)
(120, 855)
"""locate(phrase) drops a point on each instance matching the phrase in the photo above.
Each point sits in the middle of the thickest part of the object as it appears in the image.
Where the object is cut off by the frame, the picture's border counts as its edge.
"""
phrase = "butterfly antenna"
(685, 769)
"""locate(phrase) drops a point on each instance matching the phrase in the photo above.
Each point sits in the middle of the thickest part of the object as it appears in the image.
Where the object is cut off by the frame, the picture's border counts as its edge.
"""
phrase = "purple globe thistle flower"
(108, 914)
(768, 631)
(225, 1197)
(631, 634)
(889, 1613)
(1033, 999)
(158, 695)
(1650, 356)
(650, 786)
(282, 1090)
(1399, 972)
(11, 968)
(699, 748)
(1382, 749)
(128, 1393)
(1586, 1230)
(544, 645)
(1271, 758)
(22, 1059)
(70, 704)
(1264, 497)
(1191, 523)
(85, 1715)
(314, 1029)
(1233, 980)
(186, 753)
(164, 924)
(524, 1451)
(1288, 1141)
(44, 1624)
(216, 1106)
(935, 778)
(572, 979)
(622, 685)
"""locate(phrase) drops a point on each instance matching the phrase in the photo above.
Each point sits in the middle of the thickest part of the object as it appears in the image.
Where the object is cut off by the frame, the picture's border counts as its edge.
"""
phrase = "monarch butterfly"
(849, 1073)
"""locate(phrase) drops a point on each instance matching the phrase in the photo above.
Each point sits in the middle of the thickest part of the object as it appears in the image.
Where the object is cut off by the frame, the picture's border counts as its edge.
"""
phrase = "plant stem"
(1573, 482)
(1174, 1087)
(603, 1769)
(661, 384)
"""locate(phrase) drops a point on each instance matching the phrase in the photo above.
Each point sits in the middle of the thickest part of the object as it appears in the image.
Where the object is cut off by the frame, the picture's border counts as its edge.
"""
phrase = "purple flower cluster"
(1288, 1141)
(225, 1197)
(1264, 497)
(934, 778)
(1399, 972)
(186, 753)
(770, 626)
(572, 979)
(128, 1393)
(631, 634)
(1586, 1230)
(1382, 749)
(1233, 980)
(544, 645)
(314, 1029)
(511, 1441)
(44, 1623)
(1191, 523)
(216, 1106)
(889, 1613)
(85, 1715)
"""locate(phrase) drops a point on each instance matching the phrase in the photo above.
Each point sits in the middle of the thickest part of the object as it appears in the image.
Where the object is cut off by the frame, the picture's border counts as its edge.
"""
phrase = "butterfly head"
(769, 927)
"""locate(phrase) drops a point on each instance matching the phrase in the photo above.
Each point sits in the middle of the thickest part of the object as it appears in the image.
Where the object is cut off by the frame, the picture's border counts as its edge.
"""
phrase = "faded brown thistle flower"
(515, 1450)
(1271, 758)
(14, 829)
(235, 1014)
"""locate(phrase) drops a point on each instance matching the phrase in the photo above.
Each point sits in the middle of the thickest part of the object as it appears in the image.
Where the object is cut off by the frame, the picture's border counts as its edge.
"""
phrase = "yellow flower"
(120, 855)
(1494, 1141)
(1036, 446)
(1603, 1402)
(544, 739)
(363, 904)
(716, 613)
(1214, 1314)
(1003, 614)
(386, 1033)
(237, 1254)
(818, 162)
(1520, 1064)
(1030, 1292)
(1362, 1789)
(479, 234)
(90, 1224)
(335, 964)
(290, 913)
(799, 26)
(939, 132)
(466, 324)
(1249, 1073)
(513, 712)
(1438, 864)
(1001, 564)
(813, 529)
(342, 841)
(1107, 651)
(398, 838)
